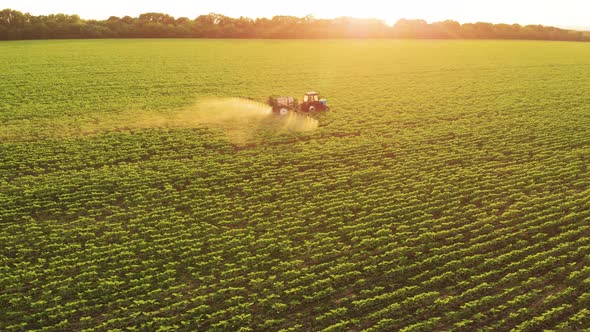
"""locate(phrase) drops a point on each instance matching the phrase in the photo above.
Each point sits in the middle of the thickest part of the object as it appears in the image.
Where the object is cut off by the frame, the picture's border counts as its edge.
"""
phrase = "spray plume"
(240, 119)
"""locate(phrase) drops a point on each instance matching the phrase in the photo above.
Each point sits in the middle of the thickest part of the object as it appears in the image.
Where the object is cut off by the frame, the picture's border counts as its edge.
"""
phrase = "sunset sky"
(564, 13)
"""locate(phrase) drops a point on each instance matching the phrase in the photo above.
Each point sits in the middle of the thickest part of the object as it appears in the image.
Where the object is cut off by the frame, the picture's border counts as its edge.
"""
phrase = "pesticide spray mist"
(223, 111)
(238, 119)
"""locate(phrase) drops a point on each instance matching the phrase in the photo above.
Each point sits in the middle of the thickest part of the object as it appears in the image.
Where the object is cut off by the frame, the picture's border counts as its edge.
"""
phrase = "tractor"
(311, 103)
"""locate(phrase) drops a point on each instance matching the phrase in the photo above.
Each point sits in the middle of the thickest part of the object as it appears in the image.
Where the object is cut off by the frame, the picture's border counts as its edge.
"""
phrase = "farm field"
(447, 189)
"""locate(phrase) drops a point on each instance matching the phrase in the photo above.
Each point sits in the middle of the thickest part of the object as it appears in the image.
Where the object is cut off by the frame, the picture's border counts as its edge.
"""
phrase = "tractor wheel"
(283, 111)
(311, 108)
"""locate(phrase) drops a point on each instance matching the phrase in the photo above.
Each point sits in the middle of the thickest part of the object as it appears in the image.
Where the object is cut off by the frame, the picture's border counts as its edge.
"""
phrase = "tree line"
(16, 25)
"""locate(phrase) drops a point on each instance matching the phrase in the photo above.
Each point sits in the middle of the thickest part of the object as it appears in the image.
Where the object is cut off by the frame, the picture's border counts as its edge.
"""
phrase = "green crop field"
(446, 189)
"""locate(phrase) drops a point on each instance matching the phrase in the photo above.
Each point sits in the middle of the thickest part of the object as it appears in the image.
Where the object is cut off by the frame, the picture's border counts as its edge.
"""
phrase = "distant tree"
(244, 27)
(182, 21)
(158, 18)
(97, 29)
(16, 25)
(12, 23)
(446, 29)
(285, 27)
(206, 26)
(12, 18)
(183, 27)
(411, 29)
(507, 31)
(128, 20)
(484, 30)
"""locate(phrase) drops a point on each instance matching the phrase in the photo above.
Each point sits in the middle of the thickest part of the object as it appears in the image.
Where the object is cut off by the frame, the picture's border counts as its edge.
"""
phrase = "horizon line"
(390, 23)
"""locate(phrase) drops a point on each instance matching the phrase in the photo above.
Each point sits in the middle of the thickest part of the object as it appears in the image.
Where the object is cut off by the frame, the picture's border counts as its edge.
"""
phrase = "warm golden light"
(569, 13)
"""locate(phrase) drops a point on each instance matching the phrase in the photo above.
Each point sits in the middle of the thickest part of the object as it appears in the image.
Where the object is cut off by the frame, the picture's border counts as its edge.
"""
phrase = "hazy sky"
(569, 13)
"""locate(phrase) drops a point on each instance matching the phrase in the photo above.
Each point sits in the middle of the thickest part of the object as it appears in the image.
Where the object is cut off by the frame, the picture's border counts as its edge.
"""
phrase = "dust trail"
(238, 118)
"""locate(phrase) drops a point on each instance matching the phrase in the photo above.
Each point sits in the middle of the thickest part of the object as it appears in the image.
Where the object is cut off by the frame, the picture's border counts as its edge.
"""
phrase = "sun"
(389, 12)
